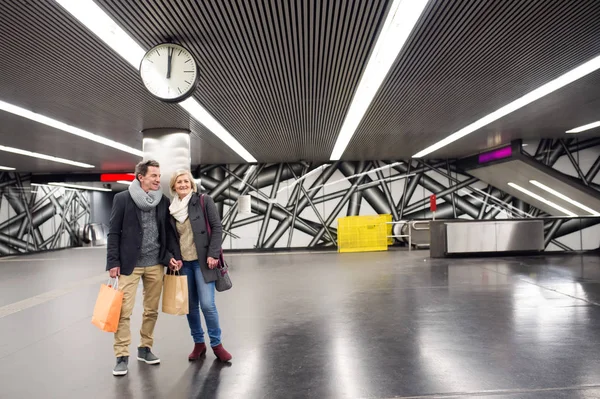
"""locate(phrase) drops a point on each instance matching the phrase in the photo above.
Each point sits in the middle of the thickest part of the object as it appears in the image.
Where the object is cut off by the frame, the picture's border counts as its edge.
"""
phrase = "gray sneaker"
(146, 355)
(121, 367)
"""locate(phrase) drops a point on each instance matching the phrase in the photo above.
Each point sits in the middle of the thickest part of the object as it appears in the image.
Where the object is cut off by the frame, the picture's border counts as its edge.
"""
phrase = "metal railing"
(402, 222)
(93, 234)
(412, 225)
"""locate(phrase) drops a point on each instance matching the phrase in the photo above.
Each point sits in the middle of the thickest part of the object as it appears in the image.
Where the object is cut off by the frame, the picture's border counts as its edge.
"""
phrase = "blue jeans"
(201, 296)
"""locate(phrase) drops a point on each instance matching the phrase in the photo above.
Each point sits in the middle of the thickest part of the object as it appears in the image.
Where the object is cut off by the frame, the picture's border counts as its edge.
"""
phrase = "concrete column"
(171, 148)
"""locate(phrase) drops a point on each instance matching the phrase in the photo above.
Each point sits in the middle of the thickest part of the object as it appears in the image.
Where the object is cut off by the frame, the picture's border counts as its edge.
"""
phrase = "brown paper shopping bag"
(175, 295)
(107, 311)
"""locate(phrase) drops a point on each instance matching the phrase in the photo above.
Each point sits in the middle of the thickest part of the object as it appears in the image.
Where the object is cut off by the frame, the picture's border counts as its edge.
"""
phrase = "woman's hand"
(212, 262)
(175, 264)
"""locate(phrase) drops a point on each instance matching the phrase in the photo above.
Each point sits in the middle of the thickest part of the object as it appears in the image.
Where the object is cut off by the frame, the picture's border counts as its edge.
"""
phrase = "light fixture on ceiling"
(564, 197)
(563, 80)
(6, 168)
(124, 182)
(97, 21)
(368, 172)
(199, 113)
(13, 109)
(44, 156)
(299, 179)
(400, 21)
(584, 127)
(542, 199)
(73, 186)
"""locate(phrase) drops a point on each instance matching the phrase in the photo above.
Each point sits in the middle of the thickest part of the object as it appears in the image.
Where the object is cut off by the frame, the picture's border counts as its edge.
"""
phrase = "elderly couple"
(147, 232)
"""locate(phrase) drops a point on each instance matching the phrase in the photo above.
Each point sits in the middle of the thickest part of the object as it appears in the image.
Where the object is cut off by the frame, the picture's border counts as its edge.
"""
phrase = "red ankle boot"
(221, 353)
(199, 350)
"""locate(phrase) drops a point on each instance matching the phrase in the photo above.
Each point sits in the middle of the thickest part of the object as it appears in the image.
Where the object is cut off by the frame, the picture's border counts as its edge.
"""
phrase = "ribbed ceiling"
(280, 75)
(52, 65)
(465, 60)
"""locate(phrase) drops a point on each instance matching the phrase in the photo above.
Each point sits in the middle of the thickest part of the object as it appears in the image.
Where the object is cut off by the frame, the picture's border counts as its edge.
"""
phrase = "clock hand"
(170, 53)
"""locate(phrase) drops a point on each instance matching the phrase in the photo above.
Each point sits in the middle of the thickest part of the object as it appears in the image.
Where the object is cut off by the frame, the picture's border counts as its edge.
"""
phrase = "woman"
(200, 256)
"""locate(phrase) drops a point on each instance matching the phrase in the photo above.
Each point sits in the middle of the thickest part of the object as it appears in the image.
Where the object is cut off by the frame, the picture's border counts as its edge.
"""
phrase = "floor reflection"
(371, 325)
(202, 379)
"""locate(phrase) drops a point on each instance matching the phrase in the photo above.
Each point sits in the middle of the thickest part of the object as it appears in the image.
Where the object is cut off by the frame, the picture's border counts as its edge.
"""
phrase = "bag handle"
(209, 231)
(116, 287)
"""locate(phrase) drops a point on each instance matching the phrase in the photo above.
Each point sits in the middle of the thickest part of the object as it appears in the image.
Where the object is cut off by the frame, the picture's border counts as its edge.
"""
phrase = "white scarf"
(179, 207)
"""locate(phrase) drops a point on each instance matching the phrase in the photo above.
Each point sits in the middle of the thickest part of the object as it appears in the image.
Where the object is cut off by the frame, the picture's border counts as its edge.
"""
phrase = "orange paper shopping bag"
(107, 311)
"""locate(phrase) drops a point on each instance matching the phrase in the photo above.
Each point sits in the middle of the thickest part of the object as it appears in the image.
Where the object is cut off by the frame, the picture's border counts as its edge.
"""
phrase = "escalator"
(526, 178)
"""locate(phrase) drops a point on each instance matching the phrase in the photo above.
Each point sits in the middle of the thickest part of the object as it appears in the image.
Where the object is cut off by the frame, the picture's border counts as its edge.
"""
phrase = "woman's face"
(183, 185)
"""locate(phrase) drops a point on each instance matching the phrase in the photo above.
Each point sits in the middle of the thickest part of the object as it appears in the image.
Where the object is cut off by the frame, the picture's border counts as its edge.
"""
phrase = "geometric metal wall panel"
(297, 204)
(39, 218)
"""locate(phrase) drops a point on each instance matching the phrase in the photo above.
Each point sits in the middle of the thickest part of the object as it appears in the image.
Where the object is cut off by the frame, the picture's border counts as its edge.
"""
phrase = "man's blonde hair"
(176, 175)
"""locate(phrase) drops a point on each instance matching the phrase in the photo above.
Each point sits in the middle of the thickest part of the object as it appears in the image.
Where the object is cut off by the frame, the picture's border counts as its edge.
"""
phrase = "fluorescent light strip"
(528, 98)
(542, 199)
(400, 21)
(322, 167)
(199, 113)
(43, 156)
(298, 180)
(78, 187)
(6, 168)
(584, 127)
(564, 197)
(124, 182)
(357, 175)
(503, 206)
(247, 176)
(97, 21)
(13, 109)
(500, 208)
(70, 186)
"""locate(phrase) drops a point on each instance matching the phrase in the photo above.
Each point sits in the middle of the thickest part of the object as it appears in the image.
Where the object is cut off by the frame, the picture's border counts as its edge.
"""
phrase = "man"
(140, 243)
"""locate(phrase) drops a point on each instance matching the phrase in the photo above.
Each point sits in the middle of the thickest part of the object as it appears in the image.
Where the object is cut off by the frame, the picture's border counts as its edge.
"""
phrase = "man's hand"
(114, 272)
(212, 262)
(175, 264)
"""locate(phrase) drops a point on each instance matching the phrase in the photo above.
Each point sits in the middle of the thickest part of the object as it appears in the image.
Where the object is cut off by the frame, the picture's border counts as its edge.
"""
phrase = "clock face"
(169, 72)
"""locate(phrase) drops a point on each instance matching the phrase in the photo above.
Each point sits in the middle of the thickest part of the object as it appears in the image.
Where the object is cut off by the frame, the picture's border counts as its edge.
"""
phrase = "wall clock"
(169, 72)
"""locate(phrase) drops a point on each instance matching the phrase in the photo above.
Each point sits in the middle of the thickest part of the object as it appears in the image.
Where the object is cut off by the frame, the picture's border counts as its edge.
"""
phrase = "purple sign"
(495, 155)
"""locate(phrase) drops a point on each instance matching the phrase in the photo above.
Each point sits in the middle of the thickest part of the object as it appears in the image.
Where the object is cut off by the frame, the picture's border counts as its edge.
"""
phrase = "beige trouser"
(152, 278)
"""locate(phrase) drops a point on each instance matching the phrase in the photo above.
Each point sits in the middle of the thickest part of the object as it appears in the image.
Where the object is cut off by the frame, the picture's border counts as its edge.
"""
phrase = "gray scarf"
(144, 201)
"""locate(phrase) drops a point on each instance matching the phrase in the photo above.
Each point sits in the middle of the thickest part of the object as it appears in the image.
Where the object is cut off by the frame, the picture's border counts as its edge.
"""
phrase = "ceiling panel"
(36, 137)
(466, 59)
(53, 65)
(279, 75)
(549, 117)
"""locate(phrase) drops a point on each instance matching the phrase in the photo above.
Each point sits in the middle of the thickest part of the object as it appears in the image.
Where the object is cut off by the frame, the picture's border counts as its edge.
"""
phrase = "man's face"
(152, 179)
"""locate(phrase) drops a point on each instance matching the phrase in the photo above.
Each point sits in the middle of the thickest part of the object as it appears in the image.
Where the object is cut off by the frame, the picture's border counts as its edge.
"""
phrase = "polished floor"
(320, 325)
